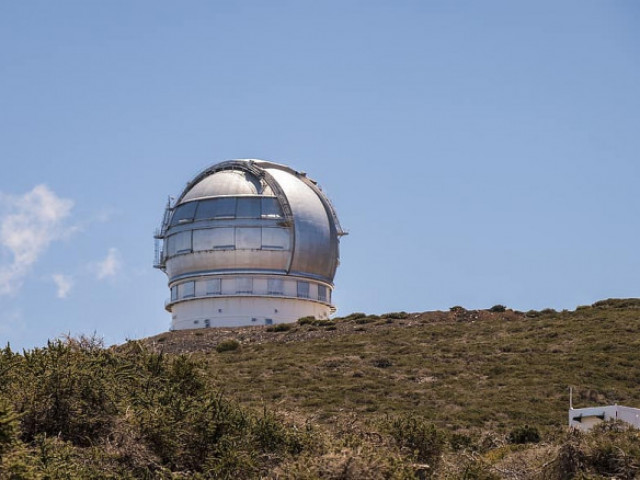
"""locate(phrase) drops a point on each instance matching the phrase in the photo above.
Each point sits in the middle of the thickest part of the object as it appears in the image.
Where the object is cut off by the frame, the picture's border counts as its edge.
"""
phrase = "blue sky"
(477, 152)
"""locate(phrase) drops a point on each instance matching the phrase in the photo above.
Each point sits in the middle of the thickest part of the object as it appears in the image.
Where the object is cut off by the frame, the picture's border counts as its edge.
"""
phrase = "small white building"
(586, 418)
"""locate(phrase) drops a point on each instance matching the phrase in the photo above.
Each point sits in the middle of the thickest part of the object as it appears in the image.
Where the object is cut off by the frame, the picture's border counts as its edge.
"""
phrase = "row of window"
(227, 207)
(228, 238)
(246, 285)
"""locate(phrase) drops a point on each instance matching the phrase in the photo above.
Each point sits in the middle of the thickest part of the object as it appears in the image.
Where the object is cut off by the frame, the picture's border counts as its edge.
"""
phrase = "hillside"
(461, 369)
(456, 394)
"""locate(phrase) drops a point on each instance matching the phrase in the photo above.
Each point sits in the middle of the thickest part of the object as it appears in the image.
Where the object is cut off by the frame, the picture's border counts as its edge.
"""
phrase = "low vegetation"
(474, 394)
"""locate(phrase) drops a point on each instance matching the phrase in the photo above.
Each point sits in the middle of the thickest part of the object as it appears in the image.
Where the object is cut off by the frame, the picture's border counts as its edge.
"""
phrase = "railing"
(158, 255)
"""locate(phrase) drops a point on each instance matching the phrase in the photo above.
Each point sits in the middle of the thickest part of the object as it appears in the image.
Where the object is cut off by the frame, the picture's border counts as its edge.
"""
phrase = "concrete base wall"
(243, 311)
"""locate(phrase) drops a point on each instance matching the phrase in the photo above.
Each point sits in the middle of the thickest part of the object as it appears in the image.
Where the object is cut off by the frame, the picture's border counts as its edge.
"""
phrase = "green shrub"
(421, 438)
(526, 434)
(382, 363)
(323, 323)
(306, 320)
(618, 303)
(69, 392)
(75, 410)
(280, 327)
(457, 308)
(459, 441)
(273, 435)
(8, 426)
(363, 320)
(399, 315)
(227, 346)
(498, 308)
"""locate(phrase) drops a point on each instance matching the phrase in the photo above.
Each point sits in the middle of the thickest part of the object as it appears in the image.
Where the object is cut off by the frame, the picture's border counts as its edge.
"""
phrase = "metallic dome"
(249, 218)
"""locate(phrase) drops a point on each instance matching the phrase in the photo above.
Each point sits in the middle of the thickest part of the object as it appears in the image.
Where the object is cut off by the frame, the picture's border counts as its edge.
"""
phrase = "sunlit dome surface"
(227, 182)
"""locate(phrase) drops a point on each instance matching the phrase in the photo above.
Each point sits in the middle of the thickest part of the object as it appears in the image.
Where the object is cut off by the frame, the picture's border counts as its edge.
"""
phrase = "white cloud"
(110, 266)
(32, 222)
(64, 284)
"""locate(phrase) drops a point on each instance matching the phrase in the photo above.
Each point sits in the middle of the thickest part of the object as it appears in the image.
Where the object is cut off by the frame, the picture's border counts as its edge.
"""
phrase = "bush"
(618, 303)
(74, 410)
(382, 363)
(498, 308)
(8, 426)
(526, 434)
(314, 322)
(422, 439)
(363, 320)
(609, 450)
(459, 441)
(399, 315)
(323, 323)
(457, 309)
(306, 320)
(69, 392)
(354, 316)
(227, 346)
(280, 327)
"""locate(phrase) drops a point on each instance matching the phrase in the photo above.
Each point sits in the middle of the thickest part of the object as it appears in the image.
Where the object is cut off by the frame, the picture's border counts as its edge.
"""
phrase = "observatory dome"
(249, 241)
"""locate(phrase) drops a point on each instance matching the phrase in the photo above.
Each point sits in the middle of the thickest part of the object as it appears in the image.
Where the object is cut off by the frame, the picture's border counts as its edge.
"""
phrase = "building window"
(208, 209)
(303, 289)
(271, 208)
(174, 293)
(275, 286)
(268, 321)
(248, 207)
(188, 289)
(179, 243)
(322, 293)
(225, 207)
(214, 286)
(244, 285)
(184, 213)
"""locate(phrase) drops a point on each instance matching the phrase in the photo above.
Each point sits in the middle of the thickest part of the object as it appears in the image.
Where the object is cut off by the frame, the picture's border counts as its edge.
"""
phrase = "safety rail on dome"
(158, 257)
(159, 234)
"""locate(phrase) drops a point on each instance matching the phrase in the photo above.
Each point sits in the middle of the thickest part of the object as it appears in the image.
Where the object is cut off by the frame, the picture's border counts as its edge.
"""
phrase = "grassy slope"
(463, 370)
(344, 400)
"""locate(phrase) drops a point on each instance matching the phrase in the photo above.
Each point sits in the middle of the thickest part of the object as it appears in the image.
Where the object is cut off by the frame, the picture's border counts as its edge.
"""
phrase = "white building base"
(242, 311)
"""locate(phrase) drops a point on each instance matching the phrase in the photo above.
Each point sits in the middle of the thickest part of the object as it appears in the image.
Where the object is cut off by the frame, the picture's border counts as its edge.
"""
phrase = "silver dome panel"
(251, 217)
